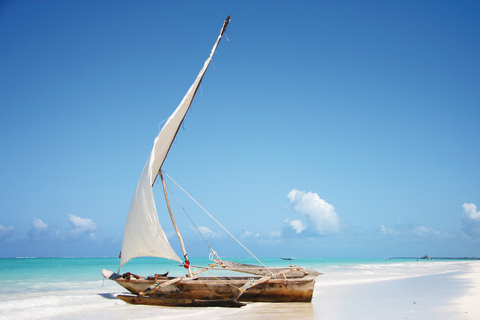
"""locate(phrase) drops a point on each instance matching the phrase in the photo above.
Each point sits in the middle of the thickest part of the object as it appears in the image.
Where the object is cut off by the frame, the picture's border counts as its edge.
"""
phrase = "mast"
(143, 235)
(185, 104)
(187, 263)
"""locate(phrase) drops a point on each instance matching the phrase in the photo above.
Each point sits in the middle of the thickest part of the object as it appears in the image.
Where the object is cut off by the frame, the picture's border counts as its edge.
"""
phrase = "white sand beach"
(437, 290)
(449, 291)
(469, 302)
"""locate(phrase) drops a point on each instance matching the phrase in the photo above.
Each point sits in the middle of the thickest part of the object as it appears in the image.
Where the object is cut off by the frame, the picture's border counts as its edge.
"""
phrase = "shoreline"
(437, 290)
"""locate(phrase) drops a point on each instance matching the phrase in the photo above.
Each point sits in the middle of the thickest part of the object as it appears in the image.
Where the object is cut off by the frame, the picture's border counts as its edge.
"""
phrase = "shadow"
(107, 295)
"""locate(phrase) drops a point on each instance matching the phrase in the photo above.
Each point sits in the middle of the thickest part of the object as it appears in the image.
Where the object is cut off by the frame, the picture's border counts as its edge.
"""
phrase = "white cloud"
(296, 225)
(320, 215)
(249, 234)
(82, 225)
(471, 220)
(422, 230)
(80, 228)
(39, 224)
(39, 229)
(470, 211)
(5, 232)
(386, 230)
(275, 234)
(206, 232)
(409, 231)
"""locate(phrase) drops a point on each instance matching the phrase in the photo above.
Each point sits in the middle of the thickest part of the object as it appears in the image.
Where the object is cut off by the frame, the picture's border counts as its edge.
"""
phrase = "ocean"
(73, 288)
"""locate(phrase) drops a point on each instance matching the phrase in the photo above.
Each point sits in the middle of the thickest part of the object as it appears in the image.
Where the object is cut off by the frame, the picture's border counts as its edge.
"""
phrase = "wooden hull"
(196, 291)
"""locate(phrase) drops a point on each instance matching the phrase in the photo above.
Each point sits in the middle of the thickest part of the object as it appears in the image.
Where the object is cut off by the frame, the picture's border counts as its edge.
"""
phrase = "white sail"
(143, 236)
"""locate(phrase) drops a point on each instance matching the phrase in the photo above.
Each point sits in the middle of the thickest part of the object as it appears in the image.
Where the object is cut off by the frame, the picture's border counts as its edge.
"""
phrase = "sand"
(454, 294)
(469, 301)
(392, 290)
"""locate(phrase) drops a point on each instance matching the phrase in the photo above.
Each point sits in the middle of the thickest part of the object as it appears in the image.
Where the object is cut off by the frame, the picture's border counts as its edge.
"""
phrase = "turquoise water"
(53, 269)
(89, 269)
(73, 288)
(60, 269)
(18, 274)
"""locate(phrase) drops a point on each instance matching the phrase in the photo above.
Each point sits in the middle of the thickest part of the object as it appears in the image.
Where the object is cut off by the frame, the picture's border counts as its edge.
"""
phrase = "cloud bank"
(206, 232)
(471, 220)
(409, 231)
(320, 216)
(39, 230)
(79, 229)
(5, 232)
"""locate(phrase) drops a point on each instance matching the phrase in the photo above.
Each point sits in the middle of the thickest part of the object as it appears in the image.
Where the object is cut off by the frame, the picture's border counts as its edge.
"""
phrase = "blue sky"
(322, 128)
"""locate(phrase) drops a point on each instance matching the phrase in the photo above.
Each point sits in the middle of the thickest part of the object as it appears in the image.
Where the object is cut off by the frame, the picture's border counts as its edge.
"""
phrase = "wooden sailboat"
(144, 237)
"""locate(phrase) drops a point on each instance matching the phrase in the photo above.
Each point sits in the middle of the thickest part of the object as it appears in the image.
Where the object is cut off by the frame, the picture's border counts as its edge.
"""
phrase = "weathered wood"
(251, 283)
(187, 263)
(259, 270)
(159, 284)
(225, 288)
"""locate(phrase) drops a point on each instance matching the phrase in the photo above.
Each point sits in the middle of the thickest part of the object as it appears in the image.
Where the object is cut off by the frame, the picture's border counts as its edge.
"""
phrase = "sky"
(336, 129)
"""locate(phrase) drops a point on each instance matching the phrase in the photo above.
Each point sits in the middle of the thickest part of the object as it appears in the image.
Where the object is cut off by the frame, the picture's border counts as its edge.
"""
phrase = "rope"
(191, 220)
(217, 222)
(212, 254)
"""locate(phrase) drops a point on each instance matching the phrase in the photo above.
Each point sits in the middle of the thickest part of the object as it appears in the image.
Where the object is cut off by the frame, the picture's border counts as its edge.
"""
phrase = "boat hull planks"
(223, 288)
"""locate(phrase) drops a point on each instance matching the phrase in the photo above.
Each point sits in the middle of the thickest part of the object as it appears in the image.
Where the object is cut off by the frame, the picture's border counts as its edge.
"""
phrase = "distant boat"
(287, 259)
(143, 236)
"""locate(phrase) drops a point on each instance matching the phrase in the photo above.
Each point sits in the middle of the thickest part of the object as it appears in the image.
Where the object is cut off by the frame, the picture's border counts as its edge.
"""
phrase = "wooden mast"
(187, 263)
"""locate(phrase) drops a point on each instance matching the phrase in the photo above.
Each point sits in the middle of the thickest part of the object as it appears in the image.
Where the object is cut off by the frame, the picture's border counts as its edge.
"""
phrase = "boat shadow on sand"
(304, 310)
(107, 295)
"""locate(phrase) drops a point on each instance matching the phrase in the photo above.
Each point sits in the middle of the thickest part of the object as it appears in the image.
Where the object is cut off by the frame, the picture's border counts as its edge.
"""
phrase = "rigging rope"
(191, 220)
(198, 204)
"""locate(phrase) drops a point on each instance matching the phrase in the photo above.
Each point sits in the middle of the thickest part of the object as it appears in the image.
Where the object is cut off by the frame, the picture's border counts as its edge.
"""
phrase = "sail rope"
(198, 204)
(191, 220)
